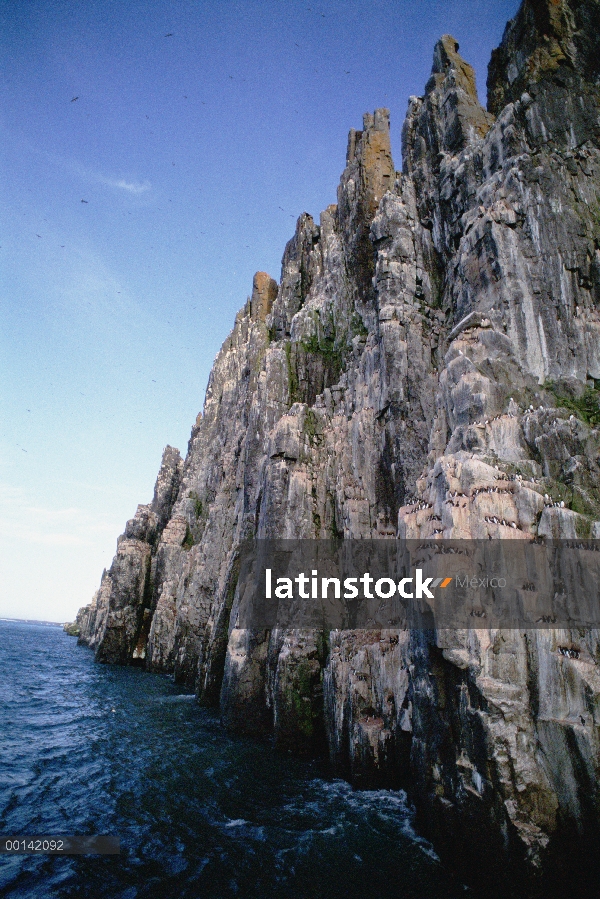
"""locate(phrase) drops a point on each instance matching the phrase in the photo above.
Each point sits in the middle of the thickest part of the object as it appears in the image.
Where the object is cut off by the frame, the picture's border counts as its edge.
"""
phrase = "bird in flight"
(84, 201)
(170, 34)
(74, 98)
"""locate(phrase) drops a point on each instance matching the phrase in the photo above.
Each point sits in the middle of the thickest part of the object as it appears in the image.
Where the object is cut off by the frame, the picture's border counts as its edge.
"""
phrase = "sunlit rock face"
(427, 366)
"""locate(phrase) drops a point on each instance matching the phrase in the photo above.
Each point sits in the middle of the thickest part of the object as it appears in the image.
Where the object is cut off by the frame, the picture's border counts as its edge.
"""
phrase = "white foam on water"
(391, 806)
(236, 822)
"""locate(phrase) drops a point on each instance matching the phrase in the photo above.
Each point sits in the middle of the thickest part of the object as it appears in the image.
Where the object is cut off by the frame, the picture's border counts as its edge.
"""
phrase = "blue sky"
(134, 217)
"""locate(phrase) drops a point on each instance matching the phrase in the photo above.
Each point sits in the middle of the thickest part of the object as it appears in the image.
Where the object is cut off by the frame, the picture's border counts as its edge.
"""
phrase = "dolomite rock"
(426, 367)
(546, 37)
(368, 709)
(117, 621)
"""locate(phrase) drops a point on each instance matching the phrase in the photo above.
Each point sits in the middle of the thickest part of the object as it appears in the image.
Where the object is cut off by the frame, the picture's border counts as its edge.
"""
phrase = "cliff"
(428, 365)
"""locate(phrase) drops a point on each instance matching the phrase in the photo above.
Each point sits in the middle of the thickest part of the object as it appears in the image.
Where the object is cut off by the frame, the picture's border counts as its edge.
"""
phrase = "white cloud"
(90, 175)
(132, 187)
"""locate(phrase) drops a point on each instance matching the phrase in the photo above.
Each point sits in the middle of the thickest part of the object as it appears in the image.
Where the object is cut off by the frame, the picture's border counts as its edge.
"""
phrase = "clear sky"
(156, 153)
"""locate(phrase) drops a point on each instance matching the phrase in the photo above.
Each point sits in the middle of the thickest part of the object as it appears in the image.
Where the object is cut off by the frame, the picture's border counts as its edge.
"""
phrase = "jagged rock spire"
(264, 293)
(167, 485)
(369, 173)
(370, 151)
(449, 115)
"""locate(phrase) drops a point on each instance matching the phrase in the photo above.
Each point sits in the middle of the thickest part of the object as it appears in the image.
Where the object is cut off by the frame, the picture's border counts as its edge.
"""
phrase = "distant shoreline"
(33, 621)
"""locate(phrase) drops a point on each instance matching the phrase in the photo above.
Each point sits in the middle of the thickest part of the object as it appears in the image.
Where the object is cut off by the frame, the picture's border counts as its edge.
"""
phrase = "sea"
(89, 749)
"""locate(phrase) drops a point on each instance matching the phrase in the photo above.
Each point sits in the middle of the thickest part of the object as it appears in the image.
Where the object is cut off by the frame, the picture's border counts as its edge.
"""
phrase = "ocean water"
(94, 749)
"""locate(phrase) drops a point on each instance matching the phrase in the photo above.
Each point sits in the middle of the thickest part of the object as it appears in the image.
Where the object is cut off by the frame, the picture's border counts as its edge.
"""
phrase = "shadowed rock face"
(428, 365)
(554, 39)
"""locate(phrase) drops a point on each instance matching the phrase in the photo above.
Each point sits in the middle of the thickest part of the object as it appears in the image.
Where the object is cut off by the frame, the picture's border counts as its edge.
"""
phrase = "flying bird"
(74, 98)
(170, 34)
(84, 201)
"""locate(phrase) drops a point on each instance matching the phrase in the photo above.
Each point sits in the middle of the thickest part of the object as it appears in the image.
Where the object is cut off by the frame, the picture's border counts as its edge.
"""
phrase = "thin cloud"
(90, 175)
(132, 187)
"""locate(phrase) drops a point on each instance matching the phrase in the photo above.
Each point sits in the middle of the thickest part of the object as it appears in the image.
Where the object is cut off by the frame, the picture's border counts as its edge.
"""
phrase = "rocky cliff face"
(427, 366)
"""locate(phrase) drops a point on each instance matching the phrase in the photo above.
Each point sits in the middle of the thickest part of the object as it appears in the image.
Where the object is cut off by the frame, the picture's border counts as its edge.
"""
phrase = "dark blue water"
(91, 749)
